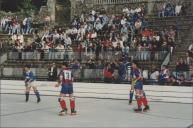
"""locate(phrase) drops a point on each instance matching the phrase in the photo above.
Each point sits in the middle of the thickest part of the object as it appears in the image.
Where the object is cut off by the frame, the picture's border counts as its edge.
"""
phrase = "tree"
(27, 7)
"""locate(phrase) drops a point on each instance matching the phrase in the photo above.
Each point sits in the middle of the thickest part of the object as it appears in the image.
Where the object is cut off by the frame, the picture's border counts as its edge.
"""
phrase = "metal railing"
(84, 56)
(113, 1)
(166, 60)
(3, 58)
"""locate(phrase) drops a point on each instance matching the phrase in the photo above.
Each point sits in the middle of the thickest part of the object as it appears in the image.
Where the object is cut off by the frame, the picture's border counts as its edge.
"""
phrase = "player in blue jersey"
(137, 79)
(30, 83)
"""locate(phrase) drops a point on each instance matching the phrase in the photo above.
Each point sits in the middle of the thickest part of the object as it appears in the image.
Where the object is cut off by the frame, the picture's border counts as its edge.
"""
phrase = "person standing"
(137, 80)
(66, 83)
(52, 74)
(30, 83)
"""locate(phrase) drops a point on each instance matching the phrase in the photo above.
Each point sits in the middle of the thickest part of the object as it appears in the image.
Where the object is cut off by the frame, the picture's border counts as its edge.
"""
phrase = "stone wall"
(76, 7)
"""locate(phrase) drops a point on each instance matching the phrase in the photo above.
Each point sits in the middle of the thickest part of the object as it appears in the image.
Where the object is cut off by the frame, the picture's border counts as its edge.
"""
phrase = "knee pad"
(136, 96)
(144, 94)
(36, 91)
(72, 98)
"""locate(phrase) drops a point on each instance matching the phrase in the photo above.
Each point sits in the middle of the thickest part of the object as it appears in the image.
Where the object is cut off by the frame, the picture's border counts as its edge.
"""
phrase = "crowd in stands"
(14, 25)
(172, 8)
(95, 32)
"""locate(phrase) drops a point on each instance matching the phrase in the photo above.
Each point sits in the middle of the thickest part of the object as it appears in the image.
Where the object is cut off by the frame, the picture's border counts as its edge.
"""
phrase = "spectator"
(171, 45)
(173, 81)
(108, 73)
(189, 81)
(183, 10)
(178, 9)
(181, 79)
(75, 64)
(52, 73)
(164, 75)
(154, 77)
(189, 58)
(169, 10)
(160, 9)
(121, 72)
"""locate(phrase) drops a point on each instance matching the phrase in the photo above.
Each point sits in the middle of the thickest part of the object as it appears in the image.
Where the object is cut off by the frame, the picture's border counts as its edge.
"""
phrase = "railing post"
(150, 4)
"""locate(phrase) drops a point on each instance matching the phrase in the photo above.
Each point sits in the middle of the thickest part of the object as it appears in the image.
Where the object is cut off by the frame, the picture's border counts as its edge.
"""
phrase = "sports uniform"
(30, 82)
(137, 80)
(66, 82)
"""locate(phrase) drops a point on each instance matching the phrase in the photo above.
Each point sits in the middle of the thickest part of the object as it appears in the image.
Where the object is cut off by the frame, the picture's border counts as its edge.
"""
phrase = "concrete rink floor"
(15, 112)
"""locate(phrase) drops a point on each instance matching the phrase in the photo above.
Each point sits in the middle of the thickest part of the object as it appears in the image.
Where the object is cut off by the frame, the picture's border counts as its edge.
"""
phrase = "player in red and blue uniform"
(137, 79)
(30, 83)
(66, 82)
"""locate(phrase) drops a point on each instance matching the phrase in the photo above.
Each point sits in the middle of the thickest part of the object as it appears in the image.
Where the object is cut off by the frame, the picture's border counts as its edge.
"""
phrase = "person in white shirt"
(74, 31)
(3, 22)
(82, 31)
(138, 10)
(157, 37)
(68, 40)
(132, 11)
(155, 76)
(190, 48)
(178, 9)
(164, 75)
(21, 38)
(93, 12)
(60, 47)
(123, 21)
(125, 10)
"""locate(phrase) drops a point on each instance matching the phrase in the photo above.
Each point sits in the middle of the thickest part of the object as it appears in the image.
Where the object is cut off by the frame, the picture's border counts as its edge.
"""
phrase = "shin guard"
(72, 103)
(27, 96)
(139, 101)
(62, 103)
(144, 100)
(37, 94)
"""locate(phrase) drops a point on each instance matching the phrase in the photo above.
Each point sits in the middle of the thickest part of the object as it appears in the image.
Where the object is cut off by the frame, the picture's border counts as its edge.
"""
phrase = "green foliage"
(27, 7)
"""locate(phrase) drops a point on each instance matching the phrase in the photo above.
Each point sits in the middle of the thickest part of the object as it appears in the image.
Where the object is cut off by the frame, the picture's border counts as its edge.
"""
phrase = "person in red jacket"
(108, 73)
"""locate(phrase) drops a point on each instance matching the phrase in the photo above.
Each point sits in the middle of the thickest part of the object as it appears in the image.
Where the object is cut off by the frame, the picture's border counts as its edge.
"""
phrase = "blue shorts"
(139, 85)
(67, 89)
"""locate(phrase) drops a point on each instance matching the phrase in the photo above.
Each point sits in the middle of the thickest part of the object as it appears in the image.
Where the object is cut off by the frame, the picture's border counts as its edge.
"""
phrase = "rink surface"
(98, 105)
(92, 112)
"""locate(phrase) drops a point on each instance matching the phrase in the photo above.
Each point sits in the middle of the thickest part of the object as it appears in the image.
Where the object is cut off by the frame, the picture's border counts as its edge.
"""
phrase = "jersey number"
(67, 75)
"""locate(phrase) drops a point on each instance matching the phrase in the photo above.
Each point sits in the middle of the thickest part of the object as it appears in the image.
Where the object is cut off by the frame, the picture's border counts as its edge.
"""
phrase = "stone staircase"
(184, 34)
(183, 41)
(182, 47)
